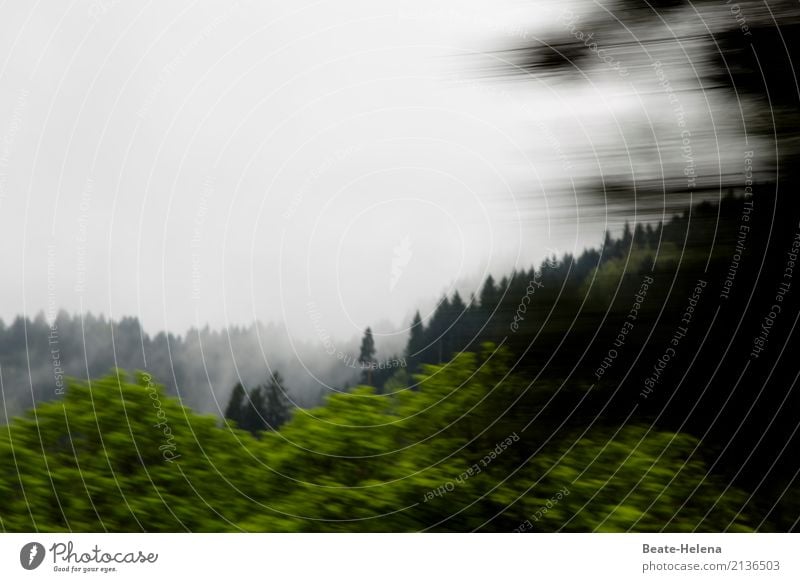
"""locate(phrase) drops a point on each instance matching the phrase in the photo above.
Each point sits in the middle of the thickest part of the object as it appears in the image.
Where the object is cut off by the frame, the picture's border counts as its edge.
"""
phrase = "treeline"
(635, 380)
(527, 308)
(200, 366)
(686, 326)
(268, 406)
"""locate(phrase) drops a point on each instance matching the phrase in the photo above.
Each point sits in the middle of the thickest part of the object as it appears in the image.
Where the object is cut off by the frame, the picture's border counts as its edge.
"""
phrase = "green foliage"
(119, 455)
(636, 480)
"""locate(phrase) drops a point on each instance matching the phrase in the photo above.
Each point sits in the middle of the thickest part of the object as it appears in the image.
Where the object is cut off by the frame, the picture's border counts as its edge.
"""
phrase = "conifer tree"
(366, 356)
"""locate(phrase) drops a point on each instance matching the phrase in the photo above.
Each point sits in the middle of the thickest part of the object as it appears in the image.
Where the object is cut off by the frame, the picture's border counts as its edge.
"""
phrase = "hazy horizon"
(152, 173)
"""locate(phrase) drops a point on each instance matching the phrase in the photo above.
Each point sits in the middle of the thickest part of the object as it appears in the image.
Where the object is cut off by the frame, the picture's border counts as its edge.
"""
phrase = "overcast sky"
(331, 165)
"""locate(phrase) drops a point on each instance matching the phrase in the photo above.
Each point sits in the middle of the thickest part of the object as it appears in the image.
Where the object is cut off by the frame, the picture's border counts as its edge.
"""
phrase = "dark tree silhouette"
(266, 407)
(277, 405)
(488, 294)
(366, 356)
(416, 343)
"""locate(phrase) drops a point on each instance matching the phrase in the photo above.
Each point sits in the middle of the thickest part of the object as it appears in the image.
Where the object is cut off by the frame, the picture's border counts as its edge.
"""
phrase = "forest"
(488, 429)
(647, 383)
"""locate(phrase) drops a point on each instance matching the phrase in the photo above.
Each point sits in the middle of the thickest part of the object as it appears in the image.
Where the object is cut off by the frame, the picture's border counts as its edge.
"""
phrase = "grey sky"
(327, 164)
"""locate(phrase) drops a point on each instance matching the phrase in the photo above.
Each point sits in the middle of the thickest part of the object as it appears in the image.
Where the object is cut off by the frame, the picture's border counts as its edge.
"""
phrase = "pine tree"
(416, 343)
(367, 356)
(254, 412)
(489, 295)
(627, 237)
(456, 325)
(277, 407)
(437, 331)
